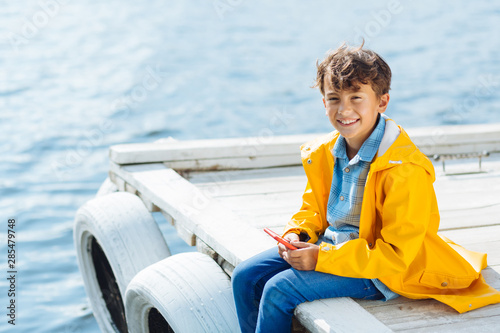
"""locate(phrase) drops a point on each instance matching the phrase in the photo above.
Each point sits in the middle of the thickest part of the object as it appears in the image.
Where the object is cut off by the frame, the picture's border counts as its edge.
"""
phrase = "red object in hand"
(280, 239)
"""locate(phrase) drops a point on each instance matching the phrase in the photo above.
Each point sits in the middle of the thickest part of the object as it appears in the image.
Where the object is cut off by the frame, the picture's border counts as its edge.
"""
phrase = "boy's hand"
(282, 248)
(304, 258)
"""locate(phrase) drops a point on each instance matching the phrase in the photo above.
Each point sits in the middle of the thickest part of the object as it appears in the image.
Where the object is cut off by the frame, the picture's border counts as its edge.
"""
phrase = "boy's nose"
(343, 106)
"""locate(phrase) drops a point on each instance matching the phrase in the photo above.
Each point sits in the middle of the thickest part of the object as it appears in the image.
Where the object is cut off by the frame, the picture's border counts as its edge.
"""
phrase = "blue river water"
(79, 76)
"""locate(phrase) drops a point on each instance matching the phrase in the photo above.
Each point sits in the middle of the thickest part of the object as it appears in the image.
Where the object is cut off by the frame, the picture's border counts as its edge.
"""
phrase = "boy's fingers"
(292, 237)
(300, 244)
(286, 257)
(296, 253)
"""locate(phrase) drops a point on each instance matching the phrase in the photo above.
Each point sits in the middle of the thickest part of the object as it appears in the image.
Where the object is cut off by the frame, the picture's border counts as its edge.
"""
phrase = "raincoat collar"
(395, 149)
(367, 150)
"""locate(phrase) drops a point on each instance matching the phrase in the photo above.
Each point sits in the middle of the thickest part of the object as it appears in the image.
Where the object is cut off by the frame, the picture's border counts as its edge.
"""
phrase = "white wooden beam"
(257, 152)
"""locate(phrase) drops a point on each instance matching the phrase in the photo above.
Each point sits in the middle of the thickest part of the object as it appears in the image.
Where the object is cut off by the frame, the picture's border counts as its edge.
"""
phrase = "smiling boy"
(354, 113)
(368, 224)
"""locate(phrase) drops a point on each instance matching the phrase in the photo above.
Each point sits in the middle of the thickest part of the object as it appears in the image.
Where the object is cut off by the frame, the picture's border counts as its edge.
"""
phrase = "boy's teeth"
(347, 122)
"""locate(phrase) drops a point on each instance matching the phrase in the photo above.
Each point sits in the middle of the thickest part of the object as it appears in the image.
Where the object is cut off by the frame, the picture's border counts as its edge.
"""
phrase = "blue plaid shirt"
(346, 193)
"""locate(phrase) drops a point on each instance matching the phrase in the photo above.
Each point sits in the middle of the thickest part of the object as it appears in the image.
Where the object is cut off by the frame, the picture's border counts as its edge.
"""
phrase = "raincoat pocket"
(443, 281)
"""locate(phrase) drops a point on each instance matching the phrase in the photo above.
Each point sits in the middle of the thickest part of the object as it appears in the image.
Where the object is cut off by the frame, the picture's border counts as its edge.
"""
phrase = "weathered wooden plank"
(269, 202)
(257, 186)
(260, 221)
(252, 194)
(488, 324)
(339, 315)
(468, 191)
(199, 177)
(208, 149)
(474, 235)
(433, 316)
(229, 163)
(456, 139)
(470, 218)
(431, 140)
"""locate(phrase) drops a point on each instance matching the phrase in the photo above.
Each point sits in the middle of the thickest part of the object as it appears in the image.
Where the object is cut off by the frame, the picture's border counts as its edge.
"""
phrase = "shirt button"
(307, 148)
(370, 244)
(347, 170)
(444, 284)
(309, 161)
(341, 198)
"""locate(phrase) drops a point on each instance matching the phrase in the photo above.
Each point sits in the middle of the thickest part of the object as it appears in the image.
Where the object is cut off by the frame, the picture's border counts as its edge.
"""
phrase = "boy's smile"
(354, 113)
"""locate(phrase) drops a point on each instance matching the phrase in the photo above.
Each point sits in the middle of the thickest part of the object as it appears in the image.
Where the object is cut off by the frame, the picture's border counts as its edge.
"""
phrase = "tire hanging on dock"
(115, 238)
(184, 293)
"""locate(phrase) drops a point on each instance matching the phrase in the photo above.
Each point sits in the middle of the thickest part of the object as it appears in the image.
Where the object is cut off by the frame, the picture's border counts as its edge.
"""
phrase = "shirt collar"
(367, 150)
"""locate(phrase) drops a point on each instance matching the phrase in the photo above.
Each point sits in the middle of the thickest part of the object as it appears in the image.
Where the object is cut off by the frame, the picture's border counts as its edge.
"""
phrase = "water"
(79, 76)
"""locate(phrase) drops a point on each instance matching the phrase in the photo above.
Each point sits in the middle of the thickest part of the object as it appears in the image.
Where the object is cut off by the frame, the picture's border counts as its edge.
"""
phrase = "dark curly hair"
(347, 67)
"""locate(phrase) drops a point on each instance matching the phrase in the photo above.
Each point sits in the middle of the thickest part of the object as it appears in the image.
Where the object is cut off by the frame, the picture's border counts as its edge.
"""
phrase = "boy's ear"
(324, 103)
(384, 102)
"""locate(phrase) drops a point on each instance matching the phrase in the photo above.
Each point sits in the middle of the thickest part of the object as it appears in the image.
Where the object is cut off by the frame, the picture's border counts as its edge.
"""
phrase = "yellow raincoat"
(398, 241)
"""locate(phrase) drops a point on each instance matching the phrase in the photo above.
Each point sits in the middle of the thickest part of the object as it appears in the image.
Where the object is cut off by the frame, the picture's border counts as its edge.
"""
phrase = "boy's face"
(354, 112)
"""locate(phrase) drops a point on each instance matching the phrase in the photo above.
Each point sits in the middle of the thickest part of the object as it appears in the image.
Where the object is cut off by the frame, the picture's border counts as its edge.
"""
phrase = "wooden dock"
(219, 194)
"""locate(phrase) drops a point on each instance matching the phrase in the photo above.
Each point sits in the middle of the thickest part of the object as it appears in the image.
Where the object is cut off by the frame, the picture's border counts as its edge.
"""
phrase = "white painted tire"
(185, 293)
(107, 187)
(115, 238)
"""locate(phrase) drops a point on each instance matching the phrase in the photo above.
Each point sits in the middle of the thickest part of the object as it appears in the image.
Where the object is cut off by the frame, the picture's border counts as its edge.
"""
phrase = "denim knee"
(239, 278)
(277, 305)
(280, 294)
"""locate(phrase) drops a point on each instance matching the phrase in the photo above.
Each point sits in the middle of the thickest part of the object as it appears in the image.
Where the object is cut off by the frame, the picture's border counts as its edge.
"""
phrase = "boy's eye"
(333, 99)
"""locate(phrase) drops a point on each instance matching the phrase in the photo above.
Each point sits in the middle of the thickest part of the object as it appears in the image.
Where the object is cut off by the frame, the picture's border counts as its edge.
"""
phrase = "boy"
(368, 224)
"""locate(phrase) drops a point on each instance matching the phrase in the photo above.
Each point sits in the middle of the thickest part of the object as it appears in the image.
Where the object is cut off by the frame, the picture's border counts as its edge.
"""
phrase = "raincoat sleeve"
(308, 219)
(404, 209)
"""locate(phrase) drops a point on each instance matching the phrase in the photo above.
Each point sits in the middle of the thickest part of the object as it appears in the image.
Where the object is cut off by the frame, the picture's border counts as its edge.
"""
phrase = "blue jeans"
(267, 289)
